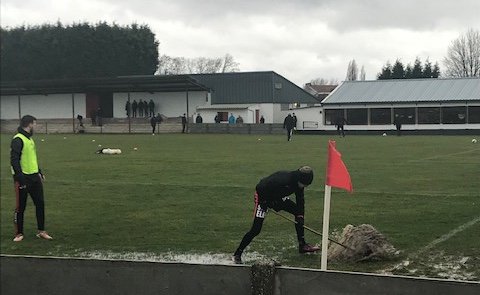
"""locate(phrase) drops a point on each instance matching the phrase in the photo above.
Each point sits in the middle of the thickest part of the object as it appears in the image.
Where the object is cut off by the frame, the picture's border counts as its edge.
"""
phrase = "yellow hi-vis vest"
(28, 160)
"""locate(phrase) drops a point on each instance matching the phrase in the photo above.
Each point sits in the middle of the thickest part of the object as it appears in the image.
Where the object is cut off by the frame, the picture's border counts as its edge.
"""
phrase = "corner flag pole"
(326, 224)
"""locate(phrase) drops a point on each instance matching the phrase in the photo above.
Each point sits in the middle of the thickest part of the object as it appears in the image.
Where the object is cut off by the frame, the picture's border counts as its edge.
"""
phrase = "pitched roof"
(253, 87)
(406, 91)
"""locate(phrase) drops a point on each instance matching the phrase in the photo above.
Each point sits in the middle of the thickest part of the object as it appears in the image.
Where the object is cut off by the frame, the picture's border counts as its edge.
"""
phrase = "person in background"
(239, 120)
(217, 119)
(127, 108)
(151, 108)
(27, 177)
(154, 121)
(398, 124)
(231, 119)
(140, 108)
(145, 108)
(184, 123)
(340, 122)
(288, 124)
(134, 108)
(294, 121)
(99, 116)
(262, 120)
(93, 117)
(199, 119)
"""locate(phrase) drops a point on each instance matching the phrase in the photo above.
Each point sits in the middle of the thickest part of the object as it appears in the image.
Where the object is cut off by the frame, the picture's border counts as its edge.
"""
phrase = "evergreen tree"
(427, 69)
(417, 71)
(398, 71)
(386, 72)
(436, 71)
(408, 72)
(77, 51)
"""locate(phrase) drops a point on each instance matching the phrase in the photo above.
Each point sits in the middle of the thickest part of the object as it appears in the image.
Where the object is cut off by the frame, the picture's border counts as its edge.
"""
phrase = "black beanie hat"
(305, 175)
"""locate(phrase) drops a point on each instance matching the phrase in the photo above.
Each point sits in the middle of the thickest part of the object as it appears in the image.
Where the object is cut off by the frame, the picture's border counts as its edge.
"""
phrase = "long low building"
(250, 95)
(418, 104)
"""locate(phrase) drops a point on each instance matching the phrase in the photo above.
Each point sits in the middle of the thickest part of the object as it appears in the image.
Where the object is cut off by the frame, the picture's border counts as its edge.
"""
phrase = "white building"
(248, 94)
(419, 104)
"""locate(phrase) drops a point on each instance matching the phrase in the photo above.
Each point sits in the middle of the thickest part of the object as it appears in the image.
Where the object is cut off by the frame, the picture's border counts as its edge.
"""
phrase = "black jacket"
(272, 189)
(16, 147)
(288, 123)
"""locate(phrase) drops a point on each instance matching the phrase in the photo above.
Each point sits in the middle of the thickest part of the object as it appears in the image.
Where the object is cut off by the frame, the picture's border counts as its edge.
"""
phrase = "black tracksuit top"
(279, 185)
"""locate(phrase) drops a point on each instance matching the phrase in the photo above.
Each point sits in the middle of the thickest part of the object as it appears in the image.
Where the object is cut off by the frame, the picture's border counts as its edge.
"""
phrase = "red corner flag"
(337, 173)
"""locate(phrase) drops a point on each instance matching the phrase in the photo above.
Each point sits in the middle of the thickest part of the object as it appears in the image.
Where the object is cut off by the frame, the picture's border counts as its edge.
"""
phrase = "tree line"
(399, 71)
(77, 51)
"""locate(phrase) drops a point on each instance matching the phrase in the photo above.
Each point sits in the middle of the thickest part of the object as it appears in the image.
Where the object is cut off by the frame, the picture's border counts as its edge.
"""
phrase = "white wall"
(313, 117)
(8, 107)
(170, 104)
(52, 106)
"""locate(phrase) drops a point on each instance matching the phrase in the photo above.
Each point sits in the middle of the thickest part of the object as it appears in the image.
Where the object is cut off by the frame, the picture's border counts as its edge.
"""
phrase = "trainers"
(306, 248)
(44, 235)
(237, 259)
(18, 238)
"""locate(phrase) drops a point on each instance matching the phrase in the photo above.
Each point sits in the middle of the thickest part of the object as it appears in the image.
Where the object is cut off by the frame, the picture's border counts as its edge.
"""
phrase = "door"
(257, 116)
(99, 100)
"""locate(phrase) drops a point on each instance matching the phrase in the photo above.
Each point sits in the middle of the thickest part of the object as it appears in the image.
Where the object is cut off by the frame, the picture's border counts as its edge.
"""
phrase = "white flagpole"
(326, 221)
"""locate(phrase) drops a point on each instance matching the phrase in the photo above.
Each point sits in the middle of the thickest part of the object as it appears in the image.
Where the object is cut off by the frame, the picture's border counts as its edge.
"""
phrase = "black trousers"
(34, 188)
(259, 215)
(289, 134)
(153, 127)
(340, 130)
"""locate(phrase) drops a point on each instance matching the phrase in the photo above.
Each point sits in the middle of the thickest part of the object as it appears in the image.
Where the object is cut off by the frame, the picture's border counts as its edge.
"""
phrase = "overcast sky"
(300, 40)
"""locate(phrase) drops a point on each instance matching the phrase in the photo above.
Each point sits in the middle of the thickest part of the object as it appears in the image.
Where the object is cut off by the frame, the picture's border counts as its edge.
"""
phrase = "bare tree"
(463, 56)
(352, 71)
(324, 81)
(199, 65)
(362, 73)
(229, 64)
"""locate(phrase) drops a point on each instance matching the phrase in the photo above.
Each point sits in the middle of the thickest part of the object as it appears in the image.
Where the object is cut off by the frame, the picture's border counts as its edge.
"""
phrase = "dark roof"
(225, 88)
(149, 83)
(406, 91)
(253, 87)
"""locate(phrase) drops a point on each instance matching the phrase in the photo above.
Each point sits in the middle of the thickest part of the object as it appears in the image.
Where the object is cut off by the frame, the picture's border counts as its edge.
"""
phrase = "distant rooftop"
(406, 91)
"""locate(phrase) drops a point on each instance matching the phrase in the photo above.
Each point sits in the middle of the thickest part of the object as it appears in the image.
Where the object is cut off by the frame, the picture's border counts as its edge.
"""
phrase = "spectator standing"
(239, 120)
(140, 108)
(231, 119)
(184, 123)
(127, 108)
(151, 107)
(340, 122)
(398, 124)
(262, 120)
(294, 121)
(134, 108)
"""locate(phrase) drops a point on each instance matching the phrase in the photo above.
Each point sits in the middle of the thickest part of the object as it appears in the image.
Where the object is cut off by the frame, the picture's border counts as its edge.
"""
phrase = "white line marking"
(448, 235)
(443, 156)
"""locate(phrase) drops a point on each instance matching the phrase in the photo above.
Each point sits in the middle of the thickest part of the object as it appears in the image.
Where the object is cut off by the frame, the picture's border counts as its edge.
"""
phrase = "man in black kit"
(288, 124)
(272, 192)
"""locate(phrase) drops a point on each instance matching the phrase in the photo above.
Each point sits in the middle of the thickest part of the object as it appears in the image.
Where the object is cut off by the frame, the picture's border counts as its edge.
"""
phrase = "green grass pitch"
(193, 194)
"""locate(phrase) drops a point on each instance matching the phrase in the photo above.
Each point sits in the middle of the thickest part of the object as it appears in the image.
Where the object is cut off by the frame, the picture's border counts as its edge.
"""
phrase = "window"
(405, 115)
(381, 116)
(357, 116)
(332, 115)
(284, 107)
(428, 115)
(474, 114)
(454, 115)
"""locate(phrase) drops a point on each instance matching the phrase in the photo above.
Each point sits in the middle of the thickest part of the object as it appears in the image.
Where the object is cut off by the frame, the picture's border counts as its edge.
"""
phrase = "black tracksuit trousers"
(34, 188)
(259, 215)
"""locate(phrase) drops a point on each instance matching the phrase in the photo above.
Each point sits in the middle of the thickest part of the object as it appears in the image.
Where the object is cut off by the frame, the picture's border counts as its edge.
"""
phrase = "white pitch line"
(448, 235)
(443, 156)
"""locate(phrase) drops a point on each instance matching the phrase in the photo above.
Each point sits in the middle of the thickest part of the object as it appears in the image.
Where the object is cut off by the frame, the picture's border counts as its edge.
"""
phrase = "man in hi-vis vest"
(27, 178)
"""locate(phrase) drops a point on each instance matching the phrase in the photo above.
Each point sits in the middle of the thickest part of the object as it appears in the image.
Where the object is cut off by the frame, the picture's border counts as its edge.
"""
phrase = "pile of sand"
(365, 243)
